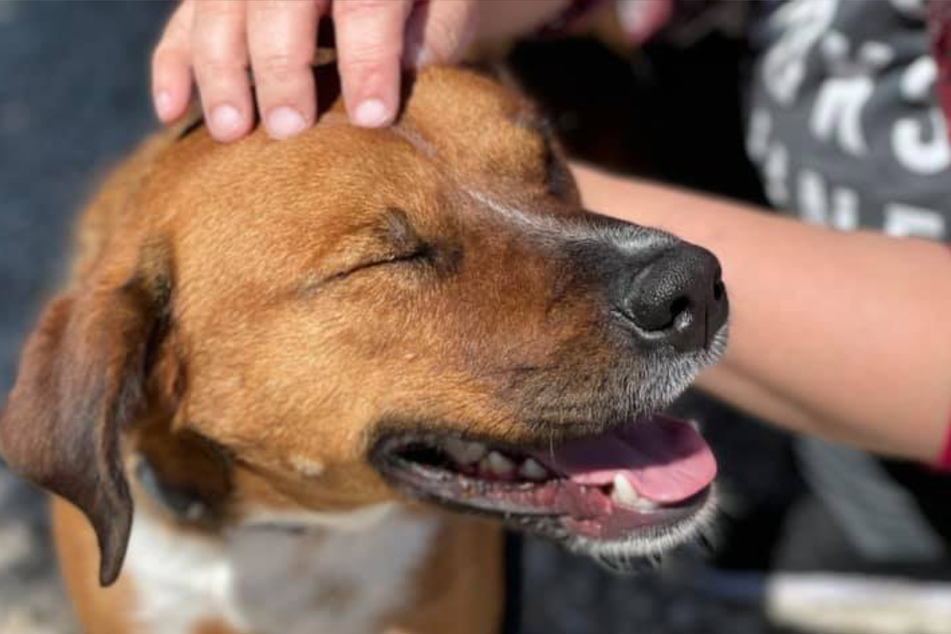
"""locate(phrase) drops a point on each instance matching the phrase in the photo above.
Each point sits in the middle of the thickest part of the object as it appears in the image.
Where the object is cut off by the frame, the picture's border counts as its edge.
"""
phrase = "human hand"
(218, 40)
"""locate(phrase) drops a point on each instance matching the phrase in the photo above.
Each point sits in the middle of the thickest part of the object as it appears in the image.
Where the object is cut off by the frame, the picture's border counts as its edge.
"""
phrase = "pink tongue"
(664, 459)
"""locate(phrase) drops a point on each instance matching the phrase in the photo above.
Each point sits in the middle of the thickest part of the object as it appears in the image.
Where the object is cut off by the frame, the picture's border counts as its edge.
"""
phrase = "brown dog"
(274, 348)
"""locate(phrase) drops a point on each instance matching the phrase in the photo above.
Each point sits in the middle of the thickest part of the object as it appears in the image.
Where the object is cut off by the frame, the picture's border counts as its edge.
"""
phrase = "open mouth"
(638, 489)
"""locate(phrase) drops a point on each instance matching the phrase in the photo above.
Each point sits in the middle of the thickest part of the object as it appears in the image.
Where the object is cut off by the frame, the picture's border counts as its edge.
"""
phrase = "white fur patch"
(269, 581)
(307, 467)
(180, 579)
(361, 519)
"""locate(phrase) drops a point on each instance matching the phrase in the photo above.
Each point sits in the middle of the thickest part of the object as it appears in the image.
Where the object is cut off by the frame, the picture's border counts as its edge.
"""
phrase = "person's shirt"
(844, 122)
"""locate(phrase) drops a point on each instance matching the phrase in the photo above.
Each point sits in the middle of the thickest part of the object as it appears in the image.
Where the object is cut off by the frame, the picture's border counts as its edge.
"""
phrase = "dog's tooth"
(530, 469)
(475, 451)
(499, 464)
(464, 452)
(455, 448)
(623, 493)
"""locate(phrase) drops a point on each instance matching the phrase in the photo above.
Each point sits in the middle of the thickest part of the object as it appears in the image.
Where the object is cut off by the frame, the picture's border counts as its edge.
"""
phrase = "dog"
(322, 375)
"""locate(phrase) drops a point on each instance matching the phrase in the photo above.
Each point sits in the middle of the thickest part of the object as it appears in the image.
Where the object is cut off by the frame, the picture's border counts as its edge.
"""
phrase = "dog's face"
(355, 316)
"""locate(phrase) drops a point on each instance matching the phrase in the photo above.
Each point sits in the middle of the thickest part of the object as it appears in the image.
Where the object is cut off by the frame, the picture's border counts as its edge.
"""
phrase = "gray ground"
(73, 97)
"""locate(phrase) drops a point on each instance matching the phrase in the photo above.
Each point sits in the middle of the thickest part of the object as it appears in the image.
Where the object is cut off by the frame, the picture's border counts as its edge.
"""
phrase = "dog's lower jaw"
(385, 568)
(637, 552)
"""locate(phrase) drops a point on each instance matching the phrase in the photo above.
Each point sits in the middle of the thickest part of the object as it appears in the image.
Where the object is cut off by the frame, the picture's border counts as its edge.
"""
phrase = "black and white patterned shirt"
(844, 123)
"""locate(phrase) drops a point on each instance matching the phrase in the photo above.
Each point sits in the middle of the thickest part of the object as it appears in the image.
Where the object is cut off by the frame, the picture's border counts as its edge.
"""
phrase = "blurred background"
(74, 98)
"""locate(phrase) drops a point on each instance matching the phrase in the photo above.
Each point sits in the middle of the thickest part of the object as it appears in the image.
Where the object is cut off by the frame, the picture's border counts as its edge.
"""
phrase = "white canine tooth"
(464, 452)
(530, 469)
(499, 464)
(646, 505)
(624, 494)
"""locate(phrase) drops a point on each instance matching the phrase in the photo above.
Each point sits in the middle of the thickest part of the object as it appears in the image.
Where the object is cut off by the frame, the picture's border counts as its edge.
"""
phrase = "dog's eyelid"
(423, 252)
(420, 250)
(399, 230)
(406, 241)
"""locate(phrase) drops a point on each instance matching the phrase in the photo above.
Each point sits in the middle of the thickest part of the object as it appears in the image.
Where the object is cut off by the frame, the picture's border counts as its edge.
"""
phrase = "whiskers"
(646, 550)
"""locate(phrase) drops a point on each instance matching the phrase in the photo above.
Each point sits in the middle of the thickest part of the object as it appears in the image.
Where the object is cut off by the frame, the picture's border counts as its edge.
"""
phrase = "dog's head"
(355, 315)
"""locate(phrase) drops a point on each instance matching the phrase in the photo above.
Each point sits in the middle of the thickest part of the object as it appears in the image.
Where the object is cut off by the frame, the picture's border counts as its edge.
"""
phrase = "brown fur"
(237, 309)
(100, 610)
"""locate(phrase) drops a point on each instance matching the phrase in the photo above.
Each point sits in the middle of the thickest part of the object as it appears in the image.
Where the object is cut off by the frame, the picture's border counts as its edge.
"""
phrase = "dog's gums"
(636, 489)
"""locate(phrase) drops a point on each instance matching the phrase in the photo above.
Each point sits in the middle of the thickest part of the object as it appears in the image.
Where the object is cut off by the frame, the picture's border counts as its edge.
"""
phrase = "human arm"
(845, 336)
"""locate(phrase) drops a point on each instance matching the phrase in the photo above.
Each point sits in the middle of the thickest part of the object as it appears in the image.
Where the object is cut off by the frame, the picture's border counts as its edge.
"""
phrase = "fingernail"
(163, 104)
(371, 114)
(284, 122)
(225, 121)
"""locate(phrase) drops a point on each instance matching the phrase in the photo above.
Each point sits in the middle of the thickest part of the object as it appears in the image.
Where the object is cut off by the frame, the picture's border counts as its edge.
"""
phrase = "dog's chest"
(272, 581)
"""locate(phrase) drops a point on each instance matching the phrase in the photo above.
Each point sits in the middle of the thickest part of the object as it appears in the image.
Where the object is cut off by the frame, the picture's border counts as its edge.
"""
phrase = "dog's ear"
(81, 379)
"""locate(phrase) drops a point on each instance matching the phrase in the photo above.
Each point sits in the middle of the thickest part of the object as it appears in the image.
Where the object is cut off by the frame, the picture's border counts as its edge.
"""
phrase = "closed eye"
(422, 253)
(406, 248)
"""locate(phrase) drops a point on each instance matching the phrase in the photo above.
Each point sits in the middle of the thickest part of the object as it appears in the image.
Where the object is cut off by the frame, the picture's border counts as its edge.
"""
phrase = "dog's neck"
(253, 578)
(383, 567)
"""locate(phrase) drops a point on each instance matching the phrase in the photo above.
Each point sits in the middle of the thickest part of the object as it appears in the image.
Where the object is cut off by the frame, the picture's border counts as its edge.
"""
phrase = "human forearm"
(842, 335)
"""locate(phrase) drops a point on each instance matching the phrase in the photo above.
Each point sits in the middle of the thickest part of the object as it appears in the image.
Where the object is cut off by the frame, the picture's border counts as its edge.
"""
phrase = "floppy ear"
(81, 380)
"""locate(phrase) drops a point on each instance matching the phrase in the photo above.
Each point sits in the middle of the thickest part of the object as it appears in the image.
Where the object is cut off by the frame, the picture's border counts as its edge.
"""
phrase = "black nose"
(678, 298)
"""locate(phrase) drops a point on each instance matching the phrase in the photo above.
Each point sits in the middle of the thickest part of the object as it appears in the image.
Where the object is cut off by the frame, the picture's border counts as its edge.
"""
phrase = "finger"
(282, 36)
(171, 65)
(369, 36)
(439, 32)
(220, 62)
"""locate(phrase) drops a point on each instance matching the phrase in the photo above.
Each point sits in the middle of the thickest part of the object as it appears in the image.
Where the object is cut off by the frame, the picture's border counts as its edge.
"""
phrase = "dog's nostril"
(655, 316)
(679, 299)
(677, 308)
